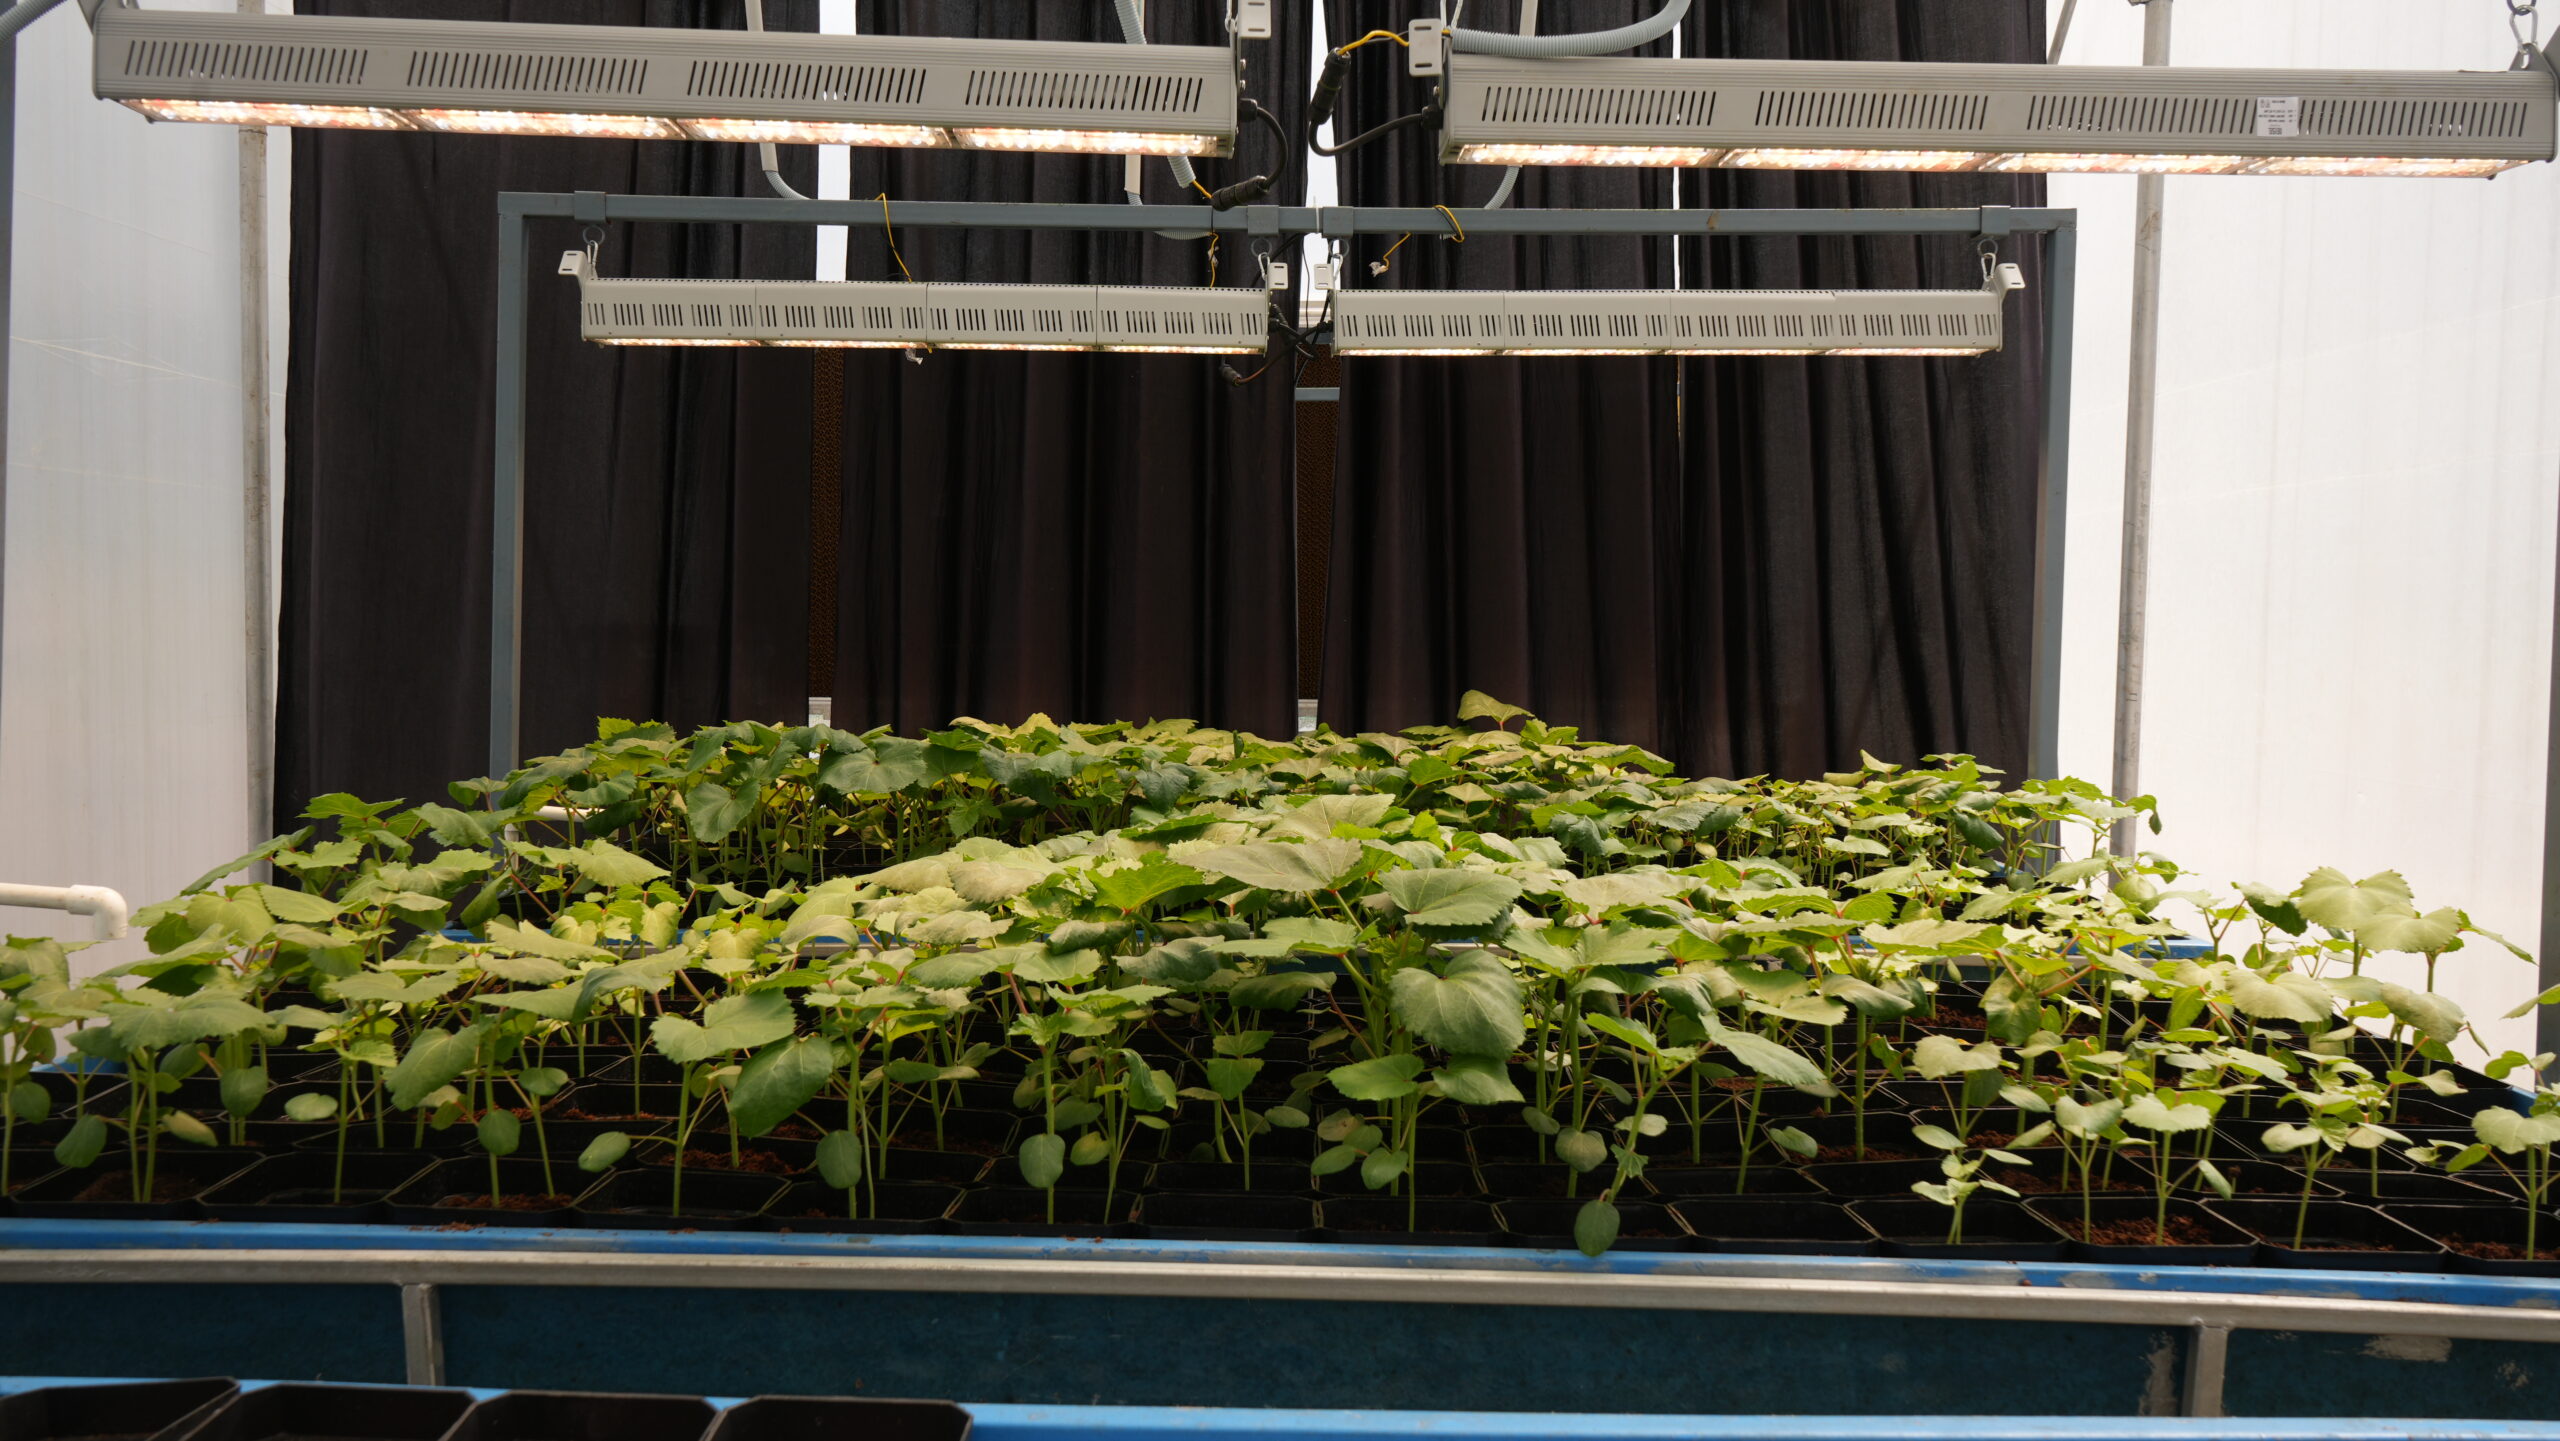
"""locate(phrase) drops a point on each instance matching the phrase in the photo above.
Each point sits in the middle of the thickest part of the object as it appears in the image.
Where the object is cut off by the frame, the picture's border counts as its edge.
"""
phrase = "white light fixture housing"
(1855, 115)
(1673, 322)
(919, 315)
(625, 82)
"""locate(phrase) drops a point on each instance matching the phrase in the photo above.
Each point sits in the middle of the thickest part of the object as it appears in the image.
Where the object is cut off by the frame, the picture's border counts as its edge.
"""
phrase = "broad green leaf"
(605, 864)
(500, 1132)
(434, 1059)
(1451, 897)
(88, 1135)
(1595, 1227)
(1280, 990)
(1476, 705)
(1043, 1159)
(1089, 1149)
(879, 770)
(1139, 886)
(1379, 1168)
(1473, 1009)
(299, 907)
(1770, 1061)
(1228, 1076)
(1580, 1149)
(713, 811)
(1476, 1081)
(311, 1106)
(243, 1087)
(604, 1151)
(187, 1128)
(840, 1159)
(2416, 935)
(731, 1023)
(1938, 1057)
(2513, 1131)
(1293, 868)
(778, 1081)
(1383, 1078)
(2327, 898)
(2153, 1114)
(1316, 818)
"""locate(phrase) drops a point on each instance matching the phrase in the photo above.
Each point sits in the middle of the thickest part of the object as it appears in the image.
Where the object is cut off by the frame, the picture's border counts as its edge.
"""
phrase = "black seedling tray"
(113, 1411)
(1396, 1221)
(1178, 1217)
(893, 1208)
(2337, 1236)
(311, 1186)
(650, 1198)
(464, 1183)
(837, 1418)
(1788, 1227)
(1548, 1225)
(1994, 1230)
(584, 1416)
(302, 1412)
(2227, 1245)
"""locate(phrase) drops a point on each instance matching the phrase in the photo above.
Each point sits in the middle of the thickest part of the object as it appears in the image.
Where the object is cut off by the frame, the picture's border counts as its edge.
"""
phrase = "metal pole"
(2546, 1022)
(8, 221)
(506, 517)
(2062, 274)
(253, 472)
(2141, 397)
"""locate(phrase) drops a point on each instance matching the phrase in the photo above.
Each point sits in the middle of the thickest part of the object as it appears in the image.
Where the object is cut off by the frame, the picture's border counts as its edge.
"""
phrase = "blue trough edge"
(29, 1234)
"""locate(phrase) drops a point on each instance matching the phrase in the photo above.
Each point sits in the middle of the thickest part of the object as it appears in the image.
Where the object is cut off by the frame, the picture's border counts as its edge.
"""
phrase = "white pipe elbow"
(102, 905)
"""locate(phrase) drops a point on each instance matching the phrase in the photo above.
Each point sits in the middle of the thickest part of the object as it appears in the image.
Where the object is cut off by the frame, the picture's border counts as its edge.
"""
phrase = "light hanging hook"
(593, 235)
(1988, 248)
(2525, 23)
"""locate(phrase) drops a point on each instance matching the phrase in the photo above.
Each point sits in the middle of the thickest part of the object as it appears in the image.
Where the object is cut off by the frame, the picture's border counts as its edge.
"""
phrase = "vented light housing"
(630, 83)
(1672, 322)
(1844, 115)
(900, 315)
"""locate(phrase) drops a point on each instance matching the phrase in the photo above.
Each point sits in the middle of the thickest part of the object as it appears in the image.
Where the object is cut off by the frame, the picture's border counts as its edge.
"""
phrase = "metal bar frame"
(2207, 1318)
(1273, 223)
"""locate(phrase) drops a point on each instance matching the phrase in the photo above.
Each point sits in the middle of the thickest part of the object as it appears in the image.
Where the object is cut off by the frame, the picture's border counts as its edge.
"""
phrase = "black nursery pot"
(1396, 1221)
(106, 1091)
(27, 1165)
(1777, 1228)
(1994, 1230)
(1713, 1182)
(1174, 1216)
(310, 1186)
(757, 1156)
(1096, 1178)
(891, 1209)
(981, 1132)
(839, 1418)
(103, 1191)
(1879, 1180)
(1548, 1225)
(939, 1168)
(458, 1191)
(2212, 1241)
(2337, 1236)
(117, 1411)
(1446, 1180)
(647, 1199)
(1510, 1145)
(1282, 1176)
(1554, 1181)
(2394, 1189)
(2486, 1240)
(338, 1413)
(582, 1416)
(626, 1107)
(1023, 1211)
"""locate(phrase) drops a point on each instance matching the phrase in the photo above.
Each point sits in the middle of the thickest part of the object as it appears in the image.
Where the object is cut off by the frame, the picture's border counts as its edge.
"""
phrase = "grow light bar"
(1673, 322)
(1848, 115)
(623, 82)
(902, 315)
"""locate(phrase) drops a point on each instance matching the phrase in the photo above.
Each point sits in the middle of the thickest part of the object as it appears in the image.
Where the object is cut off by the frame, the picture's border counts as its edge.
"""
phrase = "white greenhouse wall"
(2353, 496)
(123, 729)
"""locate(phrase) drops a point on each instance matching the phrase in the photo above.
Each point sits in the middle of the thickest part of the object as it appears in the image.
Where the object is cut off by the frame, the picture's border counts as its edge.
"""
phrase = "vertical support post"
(2044, 724)
(422, 1334)
(8, 221)
(2208, 1359)
(254, 498)
(2142, 384)
(506, 515)
(2546, 1021)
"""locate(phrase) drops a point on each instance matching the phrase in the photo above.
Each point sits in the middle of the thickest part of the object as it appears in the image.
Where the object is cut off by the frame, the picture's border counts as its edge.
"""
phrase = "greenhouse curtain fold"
(1863, 530)
(1081, 535)
(1499, 525)
(663, 560)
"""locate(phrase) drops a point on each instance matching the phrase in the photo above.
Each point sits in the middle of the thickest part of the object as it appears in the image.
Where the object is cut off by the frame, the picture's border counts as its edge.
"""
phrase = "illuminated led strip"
(627, 83)
(1672, 322)
(1842, 115)
(895, 315)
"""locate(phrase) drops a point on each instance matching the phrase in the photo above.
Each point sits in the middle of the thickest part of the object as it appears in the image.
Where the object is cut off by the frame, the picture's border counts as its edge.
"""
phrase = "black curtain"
(1864, 530)
(1087, 536)
(1499, 525)
(665, 561)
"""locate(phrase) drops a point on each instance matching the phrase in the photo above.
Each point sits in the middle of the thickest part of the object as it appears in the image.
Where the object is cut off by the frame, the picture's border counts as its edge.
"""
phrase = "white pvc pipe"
(105, 906)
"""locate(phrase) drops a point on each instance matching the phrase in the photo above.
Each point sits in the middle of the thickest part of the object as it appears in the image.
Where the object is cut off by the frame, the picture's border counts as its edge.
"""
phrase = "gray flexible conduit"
(1594, 42)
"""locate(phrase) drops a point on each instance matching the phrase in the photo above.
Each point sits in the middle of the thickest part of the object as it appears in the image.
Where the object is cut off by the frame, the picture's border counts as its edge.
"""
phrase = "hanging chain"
(2525, 23)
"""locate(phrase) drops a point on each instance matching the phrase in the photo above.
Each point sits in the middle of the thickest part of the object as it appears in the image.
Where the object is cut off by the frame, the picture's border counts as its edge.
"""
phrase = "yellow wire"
(1375, 35)
(1461, 236)
(891, 231)
(1203, 189)
(1213, 260)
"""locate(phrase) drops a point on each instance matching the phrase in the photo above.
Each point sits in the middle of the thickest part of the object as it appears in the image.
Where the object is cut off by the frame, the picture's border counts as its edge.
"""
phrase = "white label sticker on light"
(2279, 115)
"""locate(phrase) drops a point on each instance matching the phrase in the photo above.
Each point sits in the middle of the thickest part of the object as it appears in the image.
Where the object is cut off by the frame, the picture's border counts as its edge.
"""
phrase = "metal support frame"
(1775, 1287)
(2141, 421)
(1257, 222)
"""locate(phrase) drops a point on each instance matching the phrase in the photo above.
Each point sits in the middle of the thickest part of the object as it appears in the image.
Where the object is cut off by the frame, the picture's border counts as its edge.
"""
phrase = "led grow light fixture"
(1843, 115)
(1673, 322)
(623, 82)
(903, 315)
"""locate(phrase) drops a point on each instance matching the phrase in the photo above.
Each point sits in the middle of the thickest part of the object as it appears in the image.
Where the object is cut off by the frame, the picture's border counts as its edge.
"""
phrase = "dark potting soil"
(1851, 1153)
(480, 1201)
(112, 1186)
(2499, 1250)
(2129, 1231)
(581, 1113)
(1955, 1016)
(796, 1131)
(761, 1163)
(2045, 1183)
(925, 1140)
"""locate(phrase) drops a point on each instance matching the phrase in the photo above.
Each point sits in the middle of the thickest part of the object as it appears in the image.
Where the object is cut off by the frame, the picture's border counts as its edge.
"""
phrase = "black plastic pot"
(1285, 1176)
(106, 1091)
(583, 1416)
(1509, 1145)
(1716, 1182)
(1548, 1225)
(1994, 1230)
(2214, 1241)
(2486, 1240)
(2258, 1177)
(645, 1199)
(27, 1165)
(1888, 1138)
(625, 1107)
(1876, 1179)
(1554, 1181)
(892, 1209)
(101, 1191)
(457, 1191)
(2393, 1189)
(1096, 1178)
(303, 1412)
(975, 1131)
(2337, 1236)
(310, 1186)
(1772, 1228)
(839, 1418)
(113, 1411)
(761, 1156)
(939, 1168)
(1396, 1221)
(1445, 1180)
(1175, 1216)
(653, 1069)
(1022, 1211)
